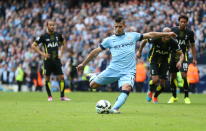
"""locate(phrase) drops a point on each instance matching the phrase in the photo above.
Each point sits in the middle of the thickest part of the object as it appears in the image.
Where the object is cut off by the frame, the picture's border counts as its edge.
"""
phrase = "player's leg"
(62, 88)
(153, 87)
(126, 84)
(154, 69)
(159, 90)
(57, 70)
(47, 72)
(48, 87)
(163, 73)
(103, 78)
(173, 82)
(173, 87)
(186, 88)
(186, 85)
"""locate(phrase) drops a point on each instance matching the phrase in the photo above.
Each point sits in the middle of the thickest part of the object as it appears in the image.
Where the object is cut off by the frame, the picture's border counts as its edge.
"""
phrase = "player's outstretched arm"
(142, 45)
(158, 34)
(91, 55)
(36, 49)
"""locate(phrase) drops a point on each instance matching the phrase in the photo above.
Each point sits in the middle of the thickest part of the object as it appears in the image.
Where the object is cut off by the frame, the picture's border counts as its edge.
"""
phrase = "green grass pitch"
(32, 112)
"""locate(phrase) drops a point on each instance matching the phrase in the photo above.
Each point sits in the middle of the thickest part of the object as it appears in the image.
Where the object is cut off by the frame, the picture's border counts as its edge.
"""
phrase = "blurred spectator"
(33, 73)
(140, 77)
(19, 75)
(193, 77)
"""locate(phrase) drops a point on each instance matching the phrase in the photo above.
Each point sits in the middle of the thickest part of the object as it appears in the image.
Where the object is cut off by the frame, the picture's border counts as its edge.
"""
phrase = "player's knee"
(155, 80)
(127, 88)
(61, 77)
(94, 85)
(163, 83)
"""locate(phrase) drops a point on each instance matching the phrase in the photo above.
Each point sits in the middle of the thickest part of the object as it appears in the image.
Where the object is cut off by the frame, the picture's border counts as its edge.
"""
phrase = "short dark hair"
(183, 17)
(119, 19)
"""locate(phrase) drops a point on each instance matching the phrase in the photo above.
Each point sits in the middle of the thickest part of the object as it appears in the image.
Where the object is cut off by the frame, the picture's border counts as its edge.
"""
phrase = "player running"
(159, 58)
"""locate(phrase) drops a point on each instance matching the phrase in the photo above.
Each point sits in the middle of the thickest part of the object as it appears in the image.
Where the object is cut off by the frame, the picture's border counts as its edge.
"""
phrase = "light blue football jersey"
(123, 52)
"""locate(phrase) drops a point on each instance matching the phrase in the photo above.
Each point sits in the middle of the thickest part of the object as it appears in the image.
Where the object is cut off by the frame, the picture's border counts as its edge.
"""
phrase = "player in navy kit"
(186, 41)
(51, 41)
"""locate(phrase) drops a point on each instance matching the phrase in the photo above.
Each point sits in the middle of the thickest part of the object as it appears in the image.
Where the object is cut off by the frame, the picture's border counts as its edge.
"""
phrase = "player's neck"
(182, 28)
(120, 34)
(50, 32)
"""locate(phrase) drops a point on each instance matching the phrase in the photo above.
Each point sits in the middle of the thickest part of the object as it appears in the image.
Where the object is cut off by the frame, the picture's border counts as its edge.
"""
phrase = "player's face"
(182, 23)
(50, 26)
(119, 28)
(166, 30)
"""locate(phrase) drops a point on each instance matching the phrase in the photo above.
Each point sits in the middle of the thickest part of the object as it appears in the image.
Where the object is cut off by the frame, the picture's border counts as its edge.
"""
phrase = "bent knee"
(94, 85)
(127, 87)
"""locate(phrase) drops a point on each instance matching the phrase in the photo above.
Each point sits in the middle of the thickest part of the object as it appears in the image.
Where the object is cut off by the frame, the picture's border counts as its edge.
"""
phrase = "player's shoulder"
(109, 38)
(189, 31)
(176, 28)
(41, 36)
(44, 35)
(174, 41)
(132, 33)
(57, 33)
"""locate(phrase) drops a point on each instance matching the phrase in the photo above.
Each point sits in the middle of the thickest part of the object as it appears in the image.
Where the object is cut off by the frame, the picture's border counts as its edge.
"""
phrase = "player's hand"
(172, 34)
(194, 61)
(138, 54)
(80, 67)
(46, 55)
(179, 64)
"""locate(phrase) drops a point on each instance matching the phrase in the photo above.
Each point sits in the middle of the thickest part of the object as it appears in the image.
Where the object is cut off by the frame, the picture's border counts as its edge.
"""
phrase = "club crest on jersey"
(53, 44)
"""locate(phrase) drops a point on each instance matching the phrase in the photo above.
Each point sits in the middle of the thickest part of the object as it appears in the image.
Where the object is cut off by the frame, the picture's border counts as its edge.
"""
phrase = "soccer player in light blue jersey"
(123, 63)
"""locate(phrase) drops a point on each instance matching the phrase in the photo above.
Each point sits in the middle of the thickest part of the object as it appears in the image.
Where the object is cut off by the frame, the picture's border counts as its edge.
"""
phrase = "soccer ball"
(103, 107)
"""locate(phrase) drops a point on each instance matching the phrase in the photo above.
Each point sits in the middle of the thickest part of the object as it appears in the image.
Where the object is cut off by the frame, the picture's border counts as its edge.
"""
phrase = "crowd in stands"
(84, 25)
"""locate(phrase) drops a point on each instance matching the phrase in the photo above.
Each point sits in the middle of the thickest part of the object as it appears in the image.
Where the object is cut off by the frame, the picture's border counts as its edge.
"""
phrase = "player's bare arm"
(36, 49)
(91, 55)
(62, 49)
(142, 45)
(158, 34)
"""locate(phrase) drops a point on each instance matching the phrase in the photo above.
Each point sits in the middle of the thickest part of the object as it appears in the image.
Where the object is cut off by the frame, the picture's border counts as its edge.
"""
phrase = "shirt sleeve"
(138, 36)
(191, 37)
(39, 40)
(61, 39)
(105, 44)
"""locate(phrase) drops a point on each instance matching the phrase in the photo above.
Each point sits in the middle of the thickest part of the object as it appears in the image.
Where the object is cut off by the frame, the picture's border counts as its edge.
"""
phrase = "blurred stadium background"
(84, 23)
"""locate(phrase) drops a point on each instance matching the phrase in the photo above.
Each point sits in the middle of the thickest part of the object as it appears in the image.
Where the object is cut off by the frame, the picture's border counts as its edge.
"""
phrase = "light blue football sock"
(120, 100)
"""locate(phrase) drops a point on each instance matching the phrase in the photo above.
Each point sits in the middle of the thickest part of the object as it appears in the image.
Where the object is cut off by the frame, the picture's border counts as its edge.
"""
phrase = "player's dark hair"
(183, 17)
(119, 19)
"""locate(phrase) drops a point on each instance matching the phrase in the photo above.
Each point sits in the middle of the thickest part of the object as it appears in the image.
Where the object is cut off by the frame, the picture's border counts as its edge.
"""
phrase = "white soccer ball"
(103, 107)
